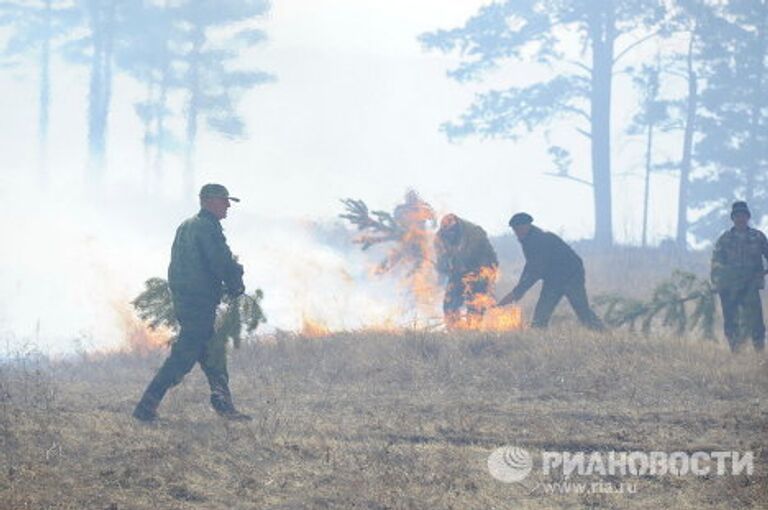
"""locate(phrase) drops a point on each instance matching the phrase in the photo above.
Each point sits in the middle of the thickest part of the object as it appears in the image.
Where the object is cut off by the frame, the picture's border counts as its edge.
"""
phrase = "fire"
(483, 315)
(508, 318)
(138, 337)
(415, 250)
(411, 261)
(314, 328)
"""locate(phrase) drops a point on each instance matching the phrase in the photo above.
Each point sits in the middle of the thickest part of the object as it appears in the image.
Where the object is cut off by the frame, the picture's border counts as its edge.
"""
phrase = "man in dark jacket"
(738, 275)
(467, 258)
(550, 259)
(202, 269)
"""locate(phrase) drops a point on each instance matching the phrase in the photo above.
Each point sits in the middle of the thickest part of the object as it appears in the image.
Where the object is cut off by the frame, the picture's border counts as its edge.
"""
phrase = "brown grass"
(376, 421)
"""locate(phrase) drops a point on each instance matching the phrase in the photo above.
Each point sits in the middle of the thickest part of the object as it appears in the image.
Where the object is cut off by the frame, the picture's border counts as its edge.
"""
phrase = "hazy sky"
(355, 112)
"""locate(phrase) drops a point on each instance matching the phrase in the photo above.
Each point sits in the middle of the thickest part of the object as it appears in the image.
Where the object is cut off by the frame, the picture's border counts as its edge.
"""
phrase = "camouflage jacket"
(202, 265)
(548, 258)
(473, 252)
(737, 259)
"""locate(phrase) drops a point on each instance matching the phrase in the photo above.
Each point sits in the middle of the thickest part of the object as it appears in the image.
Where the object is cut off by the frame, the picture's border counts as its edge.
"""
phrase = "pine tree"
(151, 56)
(651, 117)
(733, 150)
(212, 81)
(37, 29)
(513, 30)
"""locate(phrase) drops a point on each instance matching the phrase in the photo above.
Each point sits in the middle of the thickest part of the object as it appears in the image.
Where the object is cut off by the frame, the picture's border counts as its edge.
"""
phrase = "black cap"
(740, 207)
(216, 191)
(520, 218)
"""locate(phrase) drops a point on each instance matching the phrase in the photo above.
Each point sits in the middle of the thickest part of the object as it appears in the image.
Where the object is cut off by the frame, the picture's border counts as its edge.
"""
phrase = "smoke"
(67, 260)
(74, 261)
(309, 278)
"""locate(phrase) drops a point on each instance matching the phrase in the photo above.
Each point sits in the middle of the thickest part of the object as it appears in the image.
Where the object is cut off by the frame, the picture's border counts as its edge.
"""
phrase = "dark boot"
(146, 409)
(226, 409)
(221, 400)
(235, 415)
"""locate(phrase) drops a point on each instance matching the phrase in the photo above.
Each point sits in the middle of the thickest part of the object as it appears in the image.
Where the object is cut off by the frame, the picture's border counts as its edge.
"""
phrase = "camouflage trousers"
(466, 291)
(195, 344)
(575, 291)
(742, 316)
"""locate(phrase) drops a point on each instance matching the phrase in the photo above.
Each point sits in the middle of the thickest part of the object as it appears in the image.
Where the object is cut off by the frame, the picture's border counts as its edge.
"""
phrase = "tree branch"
(569, 177)
(634, 45)
(581, 66)
(578, 111)
(679, 74)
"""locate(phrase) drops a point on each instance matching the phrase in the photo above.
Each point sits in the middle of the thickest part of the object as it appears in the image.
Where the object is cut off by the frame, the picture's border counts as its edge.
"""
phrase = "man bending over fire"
(465, 256)
(550, 259)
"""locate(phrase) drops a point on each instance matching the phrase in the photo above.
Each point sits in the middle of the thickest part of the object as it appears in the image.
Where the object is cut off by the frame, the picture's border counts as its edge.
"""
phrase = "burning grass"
(381, 420)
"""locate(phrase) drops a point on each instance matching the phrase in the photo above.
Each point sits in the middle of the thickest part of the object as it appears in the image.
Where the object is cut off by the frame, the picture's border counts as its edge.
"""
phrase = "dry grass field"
(377, 421)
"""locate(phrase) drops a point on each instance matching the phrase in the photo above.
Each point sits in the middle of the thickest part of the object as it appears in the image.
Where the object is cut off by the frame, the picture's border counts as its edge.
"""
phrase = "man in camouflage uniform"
(202, 269)
(738, 275)
(466, 257)
(550, 259)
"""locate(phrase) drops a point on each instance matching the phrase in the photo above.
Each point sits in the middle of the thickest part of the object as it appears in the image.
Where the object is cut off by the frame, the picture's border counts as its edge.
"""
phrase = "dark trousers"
(742, 316)
(195, 344)
(573, 288)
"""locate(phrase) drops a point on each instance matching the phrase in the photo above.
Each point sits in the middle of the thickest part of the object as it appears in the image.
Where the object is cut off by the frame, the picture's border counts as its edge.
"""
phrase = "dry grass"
(376, 421)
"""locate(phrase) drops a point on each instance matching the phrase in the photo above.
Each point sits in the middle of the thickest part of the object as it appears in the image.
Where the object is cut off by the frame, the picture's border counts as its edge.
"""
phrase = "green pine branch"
(669, 307)
(380, 228)
(154, 306)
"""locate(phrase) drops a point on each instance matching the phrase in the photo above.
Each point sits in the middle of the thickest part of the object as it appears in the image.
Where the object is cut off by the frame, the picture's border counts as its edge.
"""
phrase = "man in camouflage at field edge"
(467, 258)
(202, 268)
(738, 275)
(550, 259)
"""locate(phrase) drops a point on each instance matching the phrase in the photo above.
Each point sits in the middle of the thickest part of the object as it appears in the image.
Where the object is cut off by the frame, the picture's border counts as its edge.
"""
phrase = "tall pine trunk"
(45, 93)
(647, 184)
(758, 102)
(99, 96)
(147, 127)
(165, 80)
(162, 101)
(602, 34)
(94, 90)
(681, 238)
(198, 38)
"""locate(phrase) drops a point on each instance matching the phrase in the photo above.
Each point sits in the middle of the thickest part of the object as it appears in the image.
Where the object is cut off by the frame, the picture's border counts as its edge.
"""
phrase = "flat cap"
(520, 218)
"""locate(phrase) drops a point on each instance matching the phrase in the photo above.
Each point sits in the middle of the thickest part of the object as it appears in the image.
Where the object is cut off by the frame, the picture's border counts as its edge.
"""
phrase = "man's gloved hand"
(237, 291)
(236, 287)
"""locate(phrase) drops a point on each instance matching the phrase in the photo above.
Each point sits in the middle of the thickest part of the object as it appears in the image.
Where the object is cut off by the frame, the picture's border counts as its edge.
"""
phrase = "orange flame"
(410, 261)
(483, 315)
(138, 337)
(314, 328)
(415, 248)
(499, 320)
